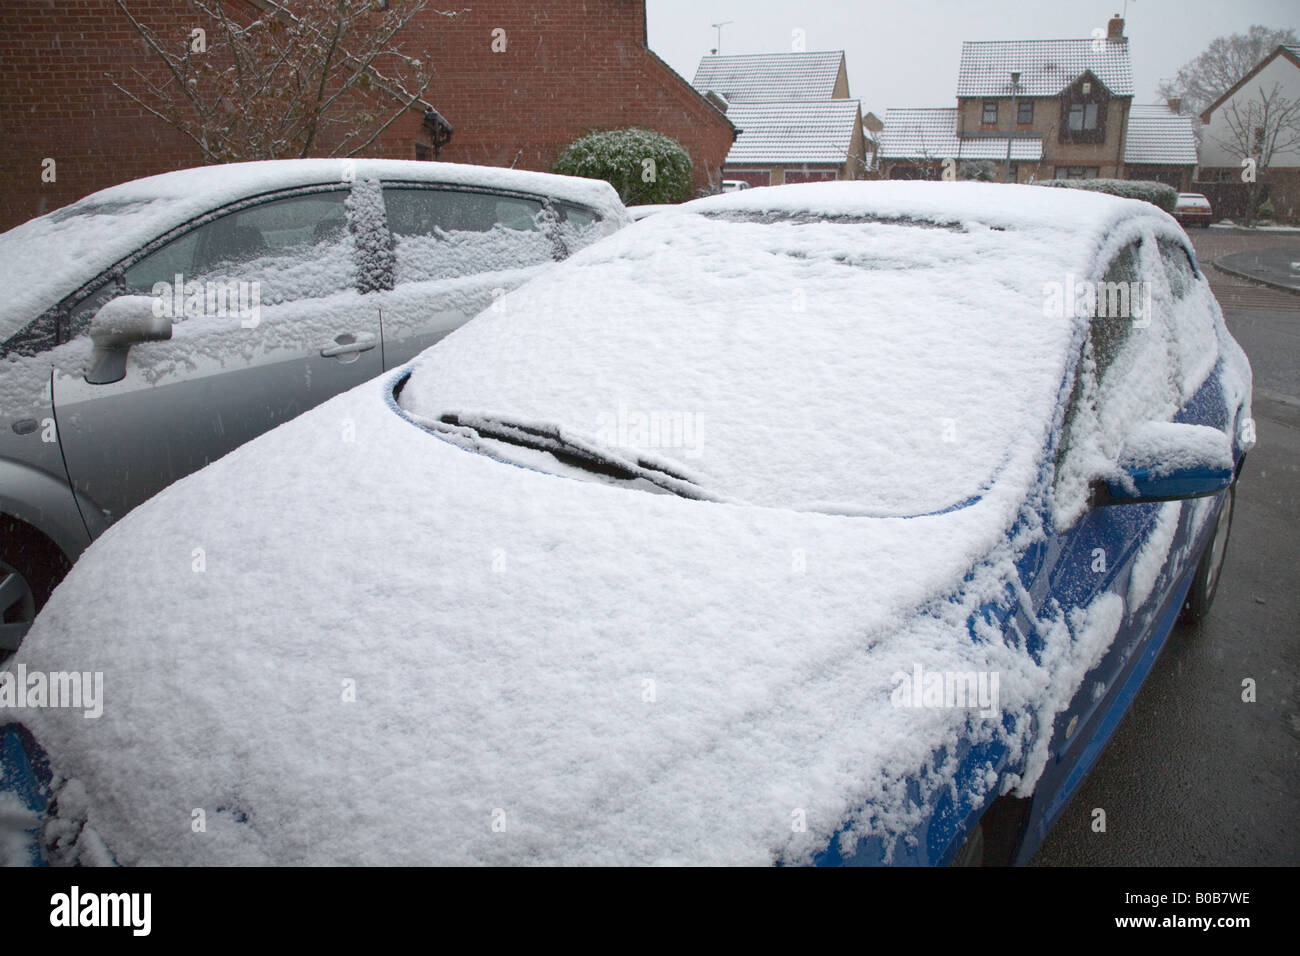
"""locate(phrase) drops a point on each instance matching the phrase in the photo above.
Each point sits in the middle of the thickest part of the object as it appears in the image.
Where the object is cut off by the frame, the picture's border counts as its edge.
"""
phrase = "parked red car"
(1193, 209)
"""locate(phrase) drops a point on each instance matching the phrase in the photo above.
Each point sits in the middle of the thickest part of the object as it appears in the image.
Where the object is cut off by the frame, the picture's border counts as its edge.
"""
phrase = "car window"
(449, 233)
(1128, 370)
(577, 218)
(294, 248)
(1178, 268)
(1192, 316)
(1113, 322)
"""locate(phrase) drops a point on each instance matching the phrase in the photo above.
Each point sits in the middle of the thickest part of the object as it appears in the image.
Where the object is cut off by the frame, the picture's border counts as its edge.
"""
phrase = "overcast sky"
(906, 53)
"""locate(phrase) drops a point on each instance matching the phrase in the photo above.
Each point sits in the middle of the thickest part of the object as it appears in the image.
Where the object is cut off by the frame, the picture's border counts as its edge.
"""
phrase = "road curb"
(1240, 274)
(1245, 231)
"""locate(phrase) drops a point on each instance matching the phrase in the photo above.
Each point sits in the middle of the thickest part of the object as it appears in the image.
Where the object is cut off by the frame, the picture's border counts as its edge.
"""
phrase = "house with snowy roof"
(796, 120)
(1238, 114)
(1161, 145)
(1048, 109)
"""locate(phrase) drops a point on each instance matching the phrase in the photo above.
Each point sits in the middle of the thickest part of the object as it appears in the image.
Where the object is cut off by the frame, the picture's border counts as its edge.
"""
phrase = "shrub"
(1265, 210)
(643, 166)
(1158, 194)
(979, 170)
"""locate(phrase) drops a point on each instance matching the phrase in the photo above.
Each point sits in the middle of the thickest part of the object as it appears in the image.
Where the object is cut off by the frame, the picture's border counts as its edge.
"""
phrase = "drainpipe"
(1011, 127)
(1123, 133)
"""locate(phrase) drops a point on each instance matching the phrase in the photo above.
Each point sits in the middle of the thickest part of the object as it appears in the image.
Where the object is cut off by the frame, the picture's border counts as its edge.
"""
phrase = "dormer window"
(1083, 116)
(1083, 110)
(990, 112)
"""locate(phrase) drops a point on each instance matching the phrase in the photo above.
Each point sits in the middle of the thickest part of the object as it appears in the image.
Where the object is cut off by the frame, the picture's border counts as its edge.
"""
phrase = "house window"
(1025, 112)
(1083, 116)
(1076, 172)
(990, 112)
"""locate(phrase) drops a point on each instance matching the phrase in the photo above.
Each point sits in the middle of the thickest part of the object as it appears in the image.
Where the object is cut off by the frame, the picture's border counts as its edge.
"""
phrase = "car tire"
(1209, 570)
(31, 566)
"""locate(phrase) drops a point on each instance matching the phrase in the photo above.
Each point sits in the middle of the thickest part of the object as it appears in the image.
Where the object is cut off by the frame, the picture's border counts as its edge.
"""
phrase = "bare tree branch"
(302, 77)
(1221, 66)
(1259, 129)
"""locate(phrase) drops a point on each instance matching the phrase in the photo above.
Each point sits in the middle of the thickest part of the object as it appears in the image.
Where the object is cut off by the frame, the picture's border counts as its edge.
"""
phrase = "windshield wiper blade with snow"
(544, 436)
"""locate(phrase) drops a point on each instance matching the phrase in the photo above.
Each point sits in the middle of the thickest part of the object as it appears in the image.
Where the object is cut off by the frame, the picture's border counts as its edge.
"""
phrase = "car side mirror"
(119, 324)
(1168, 461)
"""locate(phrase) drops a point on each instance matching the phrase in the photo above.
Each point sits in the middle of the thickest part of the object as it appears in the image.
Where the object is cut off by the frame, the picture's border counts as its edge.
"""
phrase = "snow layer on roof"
(1159, 137)
(1046, 67)
(50, 257)
(932, 134)
(919, 134)
(793, 132)
(770, 76)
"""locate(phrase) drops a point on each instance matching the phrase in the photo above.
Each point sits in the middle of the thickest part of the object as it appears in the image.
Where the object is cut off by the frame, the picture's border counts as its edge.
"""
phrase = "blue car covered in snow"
(819, 524)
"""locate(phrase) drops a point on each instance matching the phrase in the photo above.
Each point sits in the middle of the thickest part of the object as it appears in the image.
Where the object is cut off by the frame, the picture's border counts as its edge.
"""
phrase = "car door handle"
(347, 343)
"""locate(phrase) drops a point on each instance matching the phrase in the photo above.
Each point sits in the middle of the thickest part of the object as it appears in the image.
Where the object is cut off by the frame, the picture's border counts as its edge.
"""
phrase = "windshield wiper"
(467, 429)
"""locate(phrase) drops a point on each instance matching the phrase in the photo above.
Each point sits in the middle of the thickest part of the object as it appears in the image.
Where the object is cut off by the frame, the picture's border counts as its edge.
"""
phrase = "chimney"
(1175, 104)
(1115, 29)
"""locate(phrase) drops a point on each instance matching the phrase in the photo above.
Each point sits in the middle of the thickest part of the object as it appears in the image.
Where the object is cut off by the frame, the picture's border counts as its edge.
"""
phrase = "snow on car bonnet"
(893, 358)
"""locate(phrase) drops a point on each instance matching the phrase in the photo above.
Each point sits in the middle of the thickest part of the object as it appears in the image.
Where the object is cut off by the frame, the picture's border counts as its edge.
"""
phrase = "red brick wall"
(574, 66)
(563, 73)
(55, 102)
(752, 176)
(809, 175)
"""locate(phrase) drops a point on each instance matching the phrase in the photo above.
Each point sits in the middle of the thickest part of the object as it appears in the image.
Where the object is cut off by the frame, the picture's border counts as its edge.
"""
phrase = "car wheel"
(30, 568)
(1208, 572)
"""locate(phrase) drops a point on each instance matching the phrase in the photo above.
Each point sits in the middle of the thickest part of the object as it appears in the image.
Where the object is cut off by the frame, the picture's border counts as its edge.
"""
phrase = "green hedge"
(1158, 194)
(642, 165)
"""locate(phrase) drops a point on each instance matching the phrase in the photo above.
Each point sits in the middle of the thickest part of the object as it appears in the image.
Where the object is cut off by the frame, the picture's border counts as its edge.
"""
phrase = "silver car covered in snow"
(150, 328)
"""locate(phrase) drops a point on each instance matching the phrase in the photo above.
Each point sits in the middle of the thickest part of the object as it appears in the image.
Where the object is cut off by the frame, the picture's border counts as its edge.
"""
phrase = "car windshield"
(845, 364)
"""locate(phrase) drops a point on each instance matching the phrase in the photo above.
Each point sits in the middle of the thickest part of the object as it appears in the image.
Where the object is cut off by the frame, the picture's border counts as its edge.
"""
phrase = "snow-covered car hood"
(390, 650)
(50, 257)
(352, 641)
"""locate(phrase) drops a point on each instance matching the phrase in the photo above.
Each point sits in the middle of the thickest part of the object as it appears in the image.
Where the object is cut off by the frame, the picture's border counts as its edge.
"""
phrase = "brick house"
(1052, 109)
(574, 66)
(796, 120)
(1221, 156)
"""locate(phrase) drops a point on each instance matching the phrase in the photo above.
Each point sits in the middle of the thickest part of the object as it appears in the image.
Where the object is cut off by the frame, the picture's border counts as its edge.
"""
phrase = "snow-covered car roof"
(353, 641)
(991, 204)
(51, 256)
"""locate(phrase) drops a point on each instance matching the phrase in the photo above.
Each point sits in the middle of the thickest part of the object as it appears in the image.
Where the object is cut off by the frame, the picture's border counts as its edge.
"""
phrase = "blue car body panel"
(1060, 571)
(25, 772)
